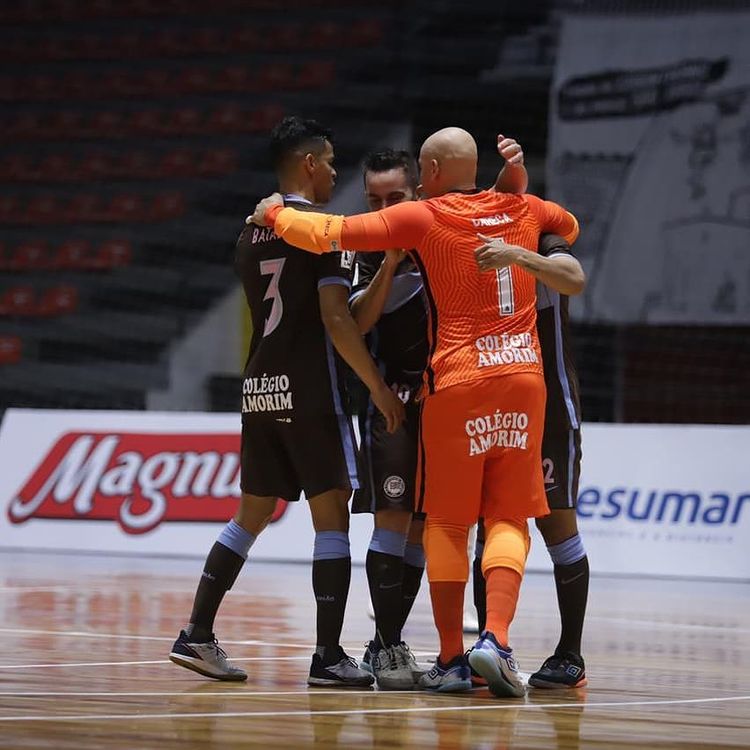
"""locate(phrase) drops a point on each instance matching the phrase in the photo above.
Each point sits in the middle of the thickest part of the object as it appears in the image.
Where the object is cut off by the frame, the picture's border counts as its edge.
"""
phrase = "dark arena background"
(134, 142)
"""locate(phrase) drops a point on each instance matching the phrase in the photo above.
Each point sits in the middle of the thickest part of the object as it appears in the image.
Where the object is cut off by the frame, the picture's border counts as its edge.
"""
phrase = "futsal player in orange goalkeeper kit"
(483, 412)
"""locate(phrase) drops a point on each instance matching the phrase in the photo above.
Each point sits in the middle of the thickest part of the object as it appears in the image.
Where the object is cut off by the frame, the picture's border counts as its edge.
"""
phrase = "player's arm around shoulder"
(553, 218)
(553, 264)
(392, 228)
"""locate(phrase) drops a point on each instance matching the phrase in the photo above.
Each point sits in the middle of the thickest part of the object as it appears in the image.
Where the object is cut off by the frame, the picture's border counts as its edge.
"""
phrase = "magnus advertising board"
(653, 500)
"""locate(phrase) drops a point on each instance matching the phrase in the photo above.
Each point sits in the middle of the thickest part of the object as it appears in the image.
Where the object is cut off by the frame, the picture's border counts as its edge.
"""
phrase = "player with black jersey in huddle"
(296, 436)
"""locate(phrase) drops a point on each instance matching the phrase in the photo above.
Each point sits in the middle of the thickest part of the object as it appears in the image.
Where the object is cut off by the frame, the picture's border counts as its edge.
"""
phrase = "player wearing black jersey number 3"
(296, 436)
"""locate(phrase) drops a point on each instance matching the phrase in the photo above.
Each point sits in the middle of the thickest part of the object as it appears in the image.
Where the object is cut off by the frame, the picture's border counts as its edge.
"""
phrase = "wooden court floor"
(83, 644)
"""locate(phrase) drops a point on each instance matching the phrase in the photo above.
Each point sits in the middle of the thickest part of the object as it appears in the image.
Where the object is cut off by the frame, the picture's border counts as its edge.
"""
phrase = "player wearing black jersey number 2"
(296, 436)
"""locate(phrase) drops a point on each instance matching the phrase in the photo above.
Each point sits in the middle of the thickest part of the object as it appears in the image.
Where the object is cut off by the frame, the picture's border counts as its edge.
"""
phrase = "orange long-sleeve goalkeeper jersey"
(482, 324)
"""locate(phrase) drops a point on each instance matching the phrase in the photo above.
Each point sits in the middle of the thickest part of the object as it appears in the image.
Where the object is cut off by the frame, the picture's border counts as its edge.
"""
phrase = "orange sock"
(448, 611)
(503, 586)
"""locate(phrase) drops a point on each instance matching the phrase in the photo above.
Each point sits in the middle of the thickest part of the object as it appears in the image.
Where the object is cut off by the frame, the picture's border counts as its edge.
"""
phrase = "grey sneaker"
(343, 672)
(453, 677)
(208, 659)
(496, 664)
(369, 655)
(416, 670)
(392, 670)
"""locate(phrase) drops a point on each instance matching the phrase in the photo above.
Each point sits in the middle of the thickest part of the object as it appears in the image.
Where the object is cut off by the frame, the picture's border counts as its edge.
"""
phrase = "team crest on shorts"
(394, 486)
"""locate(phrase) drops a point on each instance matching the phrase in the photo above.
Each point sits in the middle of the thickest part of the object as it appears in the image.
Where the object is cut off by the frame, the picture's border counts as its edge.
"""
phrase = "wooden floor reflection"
(83, 665)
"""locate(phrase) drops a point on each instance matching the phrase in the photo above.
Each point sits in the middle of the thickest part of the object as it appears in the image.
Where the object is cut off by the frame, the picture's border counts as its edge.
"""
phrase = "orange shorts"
(480, 450)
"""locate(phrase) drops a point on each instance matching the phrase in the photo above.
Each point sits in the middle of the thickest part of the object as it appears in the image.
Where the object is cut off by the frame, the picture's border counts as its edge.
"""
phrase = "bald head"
(448, 161)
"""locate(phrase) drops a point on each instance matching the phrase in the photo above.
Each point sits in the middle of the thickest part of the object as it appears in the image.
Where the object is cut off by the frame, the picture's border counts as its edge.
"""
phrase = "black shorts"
(304, 454)
(389, 463)
(561, 466)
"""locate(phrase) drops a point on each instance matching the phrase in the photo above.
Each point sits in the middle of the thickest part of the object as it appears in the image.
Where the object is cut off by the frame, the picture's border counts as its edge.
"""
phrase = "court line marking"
(138, 663)
(361, 711)
(229, 693)
(248, 642)
(668, 625)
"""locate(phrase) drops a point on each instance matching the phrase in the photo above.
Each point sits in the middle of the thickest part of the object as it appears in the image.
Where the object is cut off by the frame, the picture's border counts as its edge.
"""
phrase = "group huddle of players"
(453, 316)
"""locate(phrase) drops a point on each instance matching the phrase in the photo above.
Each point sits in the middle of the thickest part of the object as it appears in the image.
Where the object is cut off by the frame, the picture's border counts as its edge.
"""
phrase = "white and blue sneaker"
(453, 677)
(208, 659)
(496, 664)
(339, 670)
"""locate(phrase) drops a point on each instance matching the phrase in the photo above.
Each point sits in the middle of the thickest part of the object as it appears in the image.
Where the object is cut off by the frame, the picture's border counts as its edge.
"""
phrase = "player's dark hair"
(294, 134)
(384, 161)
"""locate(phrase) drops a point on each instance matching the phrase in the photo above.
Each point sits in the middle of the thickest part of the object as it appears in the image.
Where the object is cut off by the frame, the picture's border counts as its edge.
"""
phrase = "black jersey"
(291, 367)
(398, 340)
(560, 376)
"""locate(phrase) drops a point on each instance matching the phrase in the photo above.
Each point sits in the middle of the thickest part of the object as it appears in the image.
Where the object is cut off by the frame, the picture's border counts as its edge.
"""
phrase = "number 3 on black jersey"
(273, 268)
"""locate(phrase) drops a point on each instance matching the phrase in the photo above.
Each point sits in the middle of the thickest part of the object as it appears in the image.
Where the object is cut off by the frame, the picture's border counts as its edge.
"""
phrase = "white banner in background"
(654, 500)
(649, 146)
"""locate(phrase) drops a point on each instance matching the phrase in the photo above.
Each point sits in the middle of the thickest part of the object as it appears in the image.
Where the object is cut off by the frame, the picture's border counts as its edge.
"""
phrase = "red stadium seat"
(178, 163)
(73, 255)
(186, 120)
(30, 256)
(276, 78)
(114, 254)
(17, 167)
(316, 74)
(95, 166)
(167, 206)
(19, 301)
(227, 118)
(265, 117)
(10, 350)
(10, 209)
(126, 207)
(44, 209)
(84, 207)
(59, 300)
(218, 162)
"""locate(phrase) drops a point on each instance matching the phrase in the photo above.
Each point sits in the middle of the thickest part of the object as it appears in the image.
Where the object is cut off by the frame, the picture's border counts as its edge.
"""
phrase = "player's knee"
(331, 545)
(255, 513)
(393, 520)
(330, 512)
(558, 526)
(416, 531)
(567, 552)
(506, 546)
(445, 551)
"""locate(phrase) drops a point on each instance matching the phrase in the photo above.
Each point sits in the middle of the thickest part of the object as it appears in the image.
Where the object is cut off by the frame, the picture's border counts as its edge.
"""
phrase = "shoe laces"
(219, 650)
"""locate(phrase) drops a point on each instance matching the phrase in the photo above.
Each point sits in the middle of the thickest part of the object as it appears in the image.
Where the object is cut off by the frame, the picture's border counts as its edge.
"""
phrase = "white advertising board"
(653, 500)
(648, 146)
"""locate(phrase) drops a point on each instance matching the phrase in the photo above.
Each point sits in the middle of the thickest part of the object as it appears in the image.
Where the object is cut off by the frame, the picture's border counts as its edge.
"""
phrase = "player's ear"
(310, 163)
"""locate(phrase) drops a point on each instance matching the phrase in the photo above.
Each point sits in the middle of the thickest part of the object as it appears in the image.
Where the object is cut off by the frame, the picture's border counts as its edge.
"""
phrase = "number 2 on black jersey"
(273, 268)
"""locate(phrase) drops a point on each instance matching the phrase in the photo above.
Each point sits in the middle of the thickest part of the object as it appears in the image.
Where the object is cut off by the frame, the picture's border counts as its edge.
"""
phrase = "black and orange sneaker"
(560, 671)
